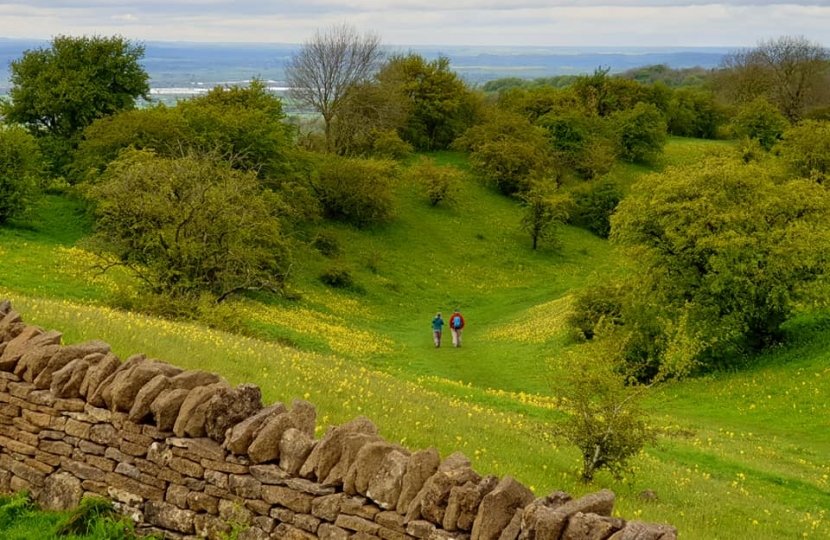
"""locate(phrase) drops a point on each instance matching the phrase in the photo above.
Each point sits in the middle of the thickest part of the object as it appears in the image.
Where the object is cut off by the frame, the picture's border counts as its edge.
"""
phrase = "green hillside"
(743, 455)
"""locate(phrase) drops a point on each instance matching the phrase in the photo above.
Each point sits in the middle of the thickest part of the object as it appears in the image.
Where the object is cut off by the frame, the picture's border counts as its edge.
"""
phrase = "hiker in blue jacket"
(437, 326)
(456, 326)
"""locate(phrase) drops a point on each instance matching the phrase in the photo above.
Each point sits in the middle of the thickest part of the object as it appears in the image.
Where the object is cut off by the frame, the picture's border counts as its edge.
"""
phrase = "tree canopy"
(61, 89)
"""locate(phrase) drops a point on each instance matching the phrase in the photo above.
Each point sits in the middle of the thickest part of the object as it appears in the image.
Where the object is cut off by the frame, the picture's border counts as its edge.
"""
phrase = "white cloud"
(424, 22)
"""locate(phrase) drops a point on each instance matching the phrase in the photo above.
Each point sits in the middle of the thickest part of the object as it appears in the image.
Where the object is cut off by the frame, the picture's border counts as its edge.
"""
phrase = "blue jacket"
(437, 323)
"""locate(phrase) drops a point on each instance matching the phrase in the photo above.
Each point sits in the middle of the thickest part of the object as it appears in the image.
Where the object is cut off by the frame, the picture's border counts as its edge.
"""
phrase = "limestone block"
(242, 434)
(61, 491)
(421, 466)
(225, 410)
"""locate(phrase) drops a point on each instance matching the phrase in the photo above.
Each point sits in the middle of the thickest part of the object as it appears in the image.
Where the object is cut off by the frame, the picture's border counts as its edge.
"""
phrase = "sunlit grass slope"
(750, 460)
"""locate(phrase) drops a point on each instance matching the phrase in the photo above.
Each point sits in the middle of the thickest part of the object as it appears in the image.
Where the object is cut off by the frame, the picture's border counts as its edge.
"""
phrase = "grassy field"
(748, 454)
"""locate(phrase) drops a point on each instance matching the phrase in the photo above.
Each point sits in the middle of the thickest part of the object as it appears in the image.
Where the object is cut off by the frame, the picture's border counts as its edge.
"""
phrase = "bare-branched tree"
(791, 72)
(327, 66)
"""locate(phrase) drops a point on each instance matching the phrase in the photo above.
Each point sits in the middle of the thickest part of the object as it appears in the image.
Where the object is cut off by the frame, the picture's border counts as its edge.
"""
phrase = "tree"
(243, 124)
(358, 191)
(189, 225)
(441, 183)
(330, 64)
(506, 150)
(544, 212)
(806, 149)
(641, 132)
(725, 253)
(370, 113)
(440, 106)
(21, 166)
(693, 112)
(59, 90)
(790, 72)
(605, 418)
(761, 121)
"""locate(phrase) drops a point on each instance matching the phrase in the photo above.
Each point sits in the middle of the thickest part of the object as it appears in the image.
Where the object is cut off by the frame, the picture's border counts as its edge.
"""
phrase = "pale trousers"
(456, 336)
(436, 337)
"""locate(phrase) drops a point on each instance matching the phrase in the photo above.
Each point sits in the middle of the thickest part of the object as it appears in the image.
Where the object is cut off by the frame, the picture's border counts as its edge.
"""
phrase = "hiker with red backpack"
(456, 326)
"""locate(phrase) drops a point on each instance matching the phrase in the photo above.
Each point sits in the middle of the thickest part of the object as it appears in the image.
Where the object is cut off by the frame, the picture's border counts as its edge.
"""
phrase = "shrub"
(327, 244)
(441, 183)
(388, 144)
(358, 191)
(641, 132)
(595, 202)
(762, 121)
(338, 275)
(20, 171)
(806, 149)
(592, 306)
(189, 225)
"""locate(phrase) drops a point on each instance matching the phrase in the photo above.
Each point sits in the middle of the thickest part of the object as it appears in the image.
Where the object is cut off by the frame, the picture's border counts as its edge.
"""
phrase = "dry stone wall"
(185, 455)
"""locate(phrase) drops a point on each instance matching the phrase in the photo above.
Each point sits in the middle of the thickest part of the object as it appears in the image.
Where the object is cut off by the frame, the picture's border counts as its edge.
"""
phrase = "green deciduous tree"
(760, 121)
(693, 112)
(189, 225)
(806, 149)
(59, 90)
(605, 418)
(506, 150)
(640, 131)
(725, 253)
(441, 183)
(21, 167)
(440, 106)
(358, 191)
(544, 212)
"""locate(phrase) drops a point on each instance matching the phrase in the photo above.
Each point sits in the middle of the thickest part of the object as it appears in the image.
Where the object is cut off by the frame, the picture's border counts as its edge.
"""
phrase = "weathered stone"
(637, 530)
(66, 382)
(421, 466)
(196, 449)
(351, 444)
(225, 466)
(170, 517)
(165, 408)
(467, 503)
(307, 486)
(124, 497)
(431, 501)
(327, 531)
(264, 522)
(328, 507)
(498, 508)
(66, 355)
(295, 447)
(253, 533)
(266, 443)
(289, 498)
(234, 512)
(366, 463)
(83, 470)
(269, 474)
(326, 454)
(456, 460)
(245, 486)
(186, 467)
(102, 395)
(191, 419)
(211, 527)
(216, 478)
(104, 434)
(285, 531)
(145, 397)
(59, 448)
(391, 520)
(547, 518)
(591, 527)
(282, 515)
(201, 502)
(258, 506)
(11, 324)
(134, 486)
(242, 434)
(61, 491)
(385, 485)
(354, 523)
(188, 380)
(420, 528)
(304, 416)
(225, 410)
(177, 495)
(28, 342)
(306, 523)
(126, 387)
(98, 373)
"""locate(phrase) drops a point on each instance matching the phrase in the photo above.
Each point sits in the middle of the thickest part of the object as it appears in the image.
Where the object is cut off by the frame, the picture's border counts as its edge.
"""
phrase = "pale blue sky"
(732, 23)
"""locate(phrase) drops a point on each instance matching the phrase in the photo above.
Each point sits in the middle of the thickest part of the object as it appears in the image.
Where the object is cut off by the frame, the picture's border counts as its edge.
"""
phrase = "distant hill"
(190, 67)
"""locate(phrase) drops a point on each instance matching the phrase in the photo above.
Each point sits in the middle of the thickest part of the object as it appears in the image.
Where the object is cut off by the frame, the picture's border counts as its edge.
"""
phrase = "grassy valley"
(742, 454)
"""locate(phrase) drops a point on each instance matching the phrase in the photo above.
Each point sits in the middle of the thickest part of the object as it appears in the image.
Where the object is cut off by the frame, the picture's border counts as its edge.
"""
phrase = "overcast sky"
(730, 23)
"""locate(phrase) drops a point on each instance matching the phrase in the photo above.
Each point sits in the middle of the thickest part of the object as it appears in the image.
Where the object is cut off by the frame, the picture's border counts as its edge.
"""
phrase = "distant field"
(744, 455)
